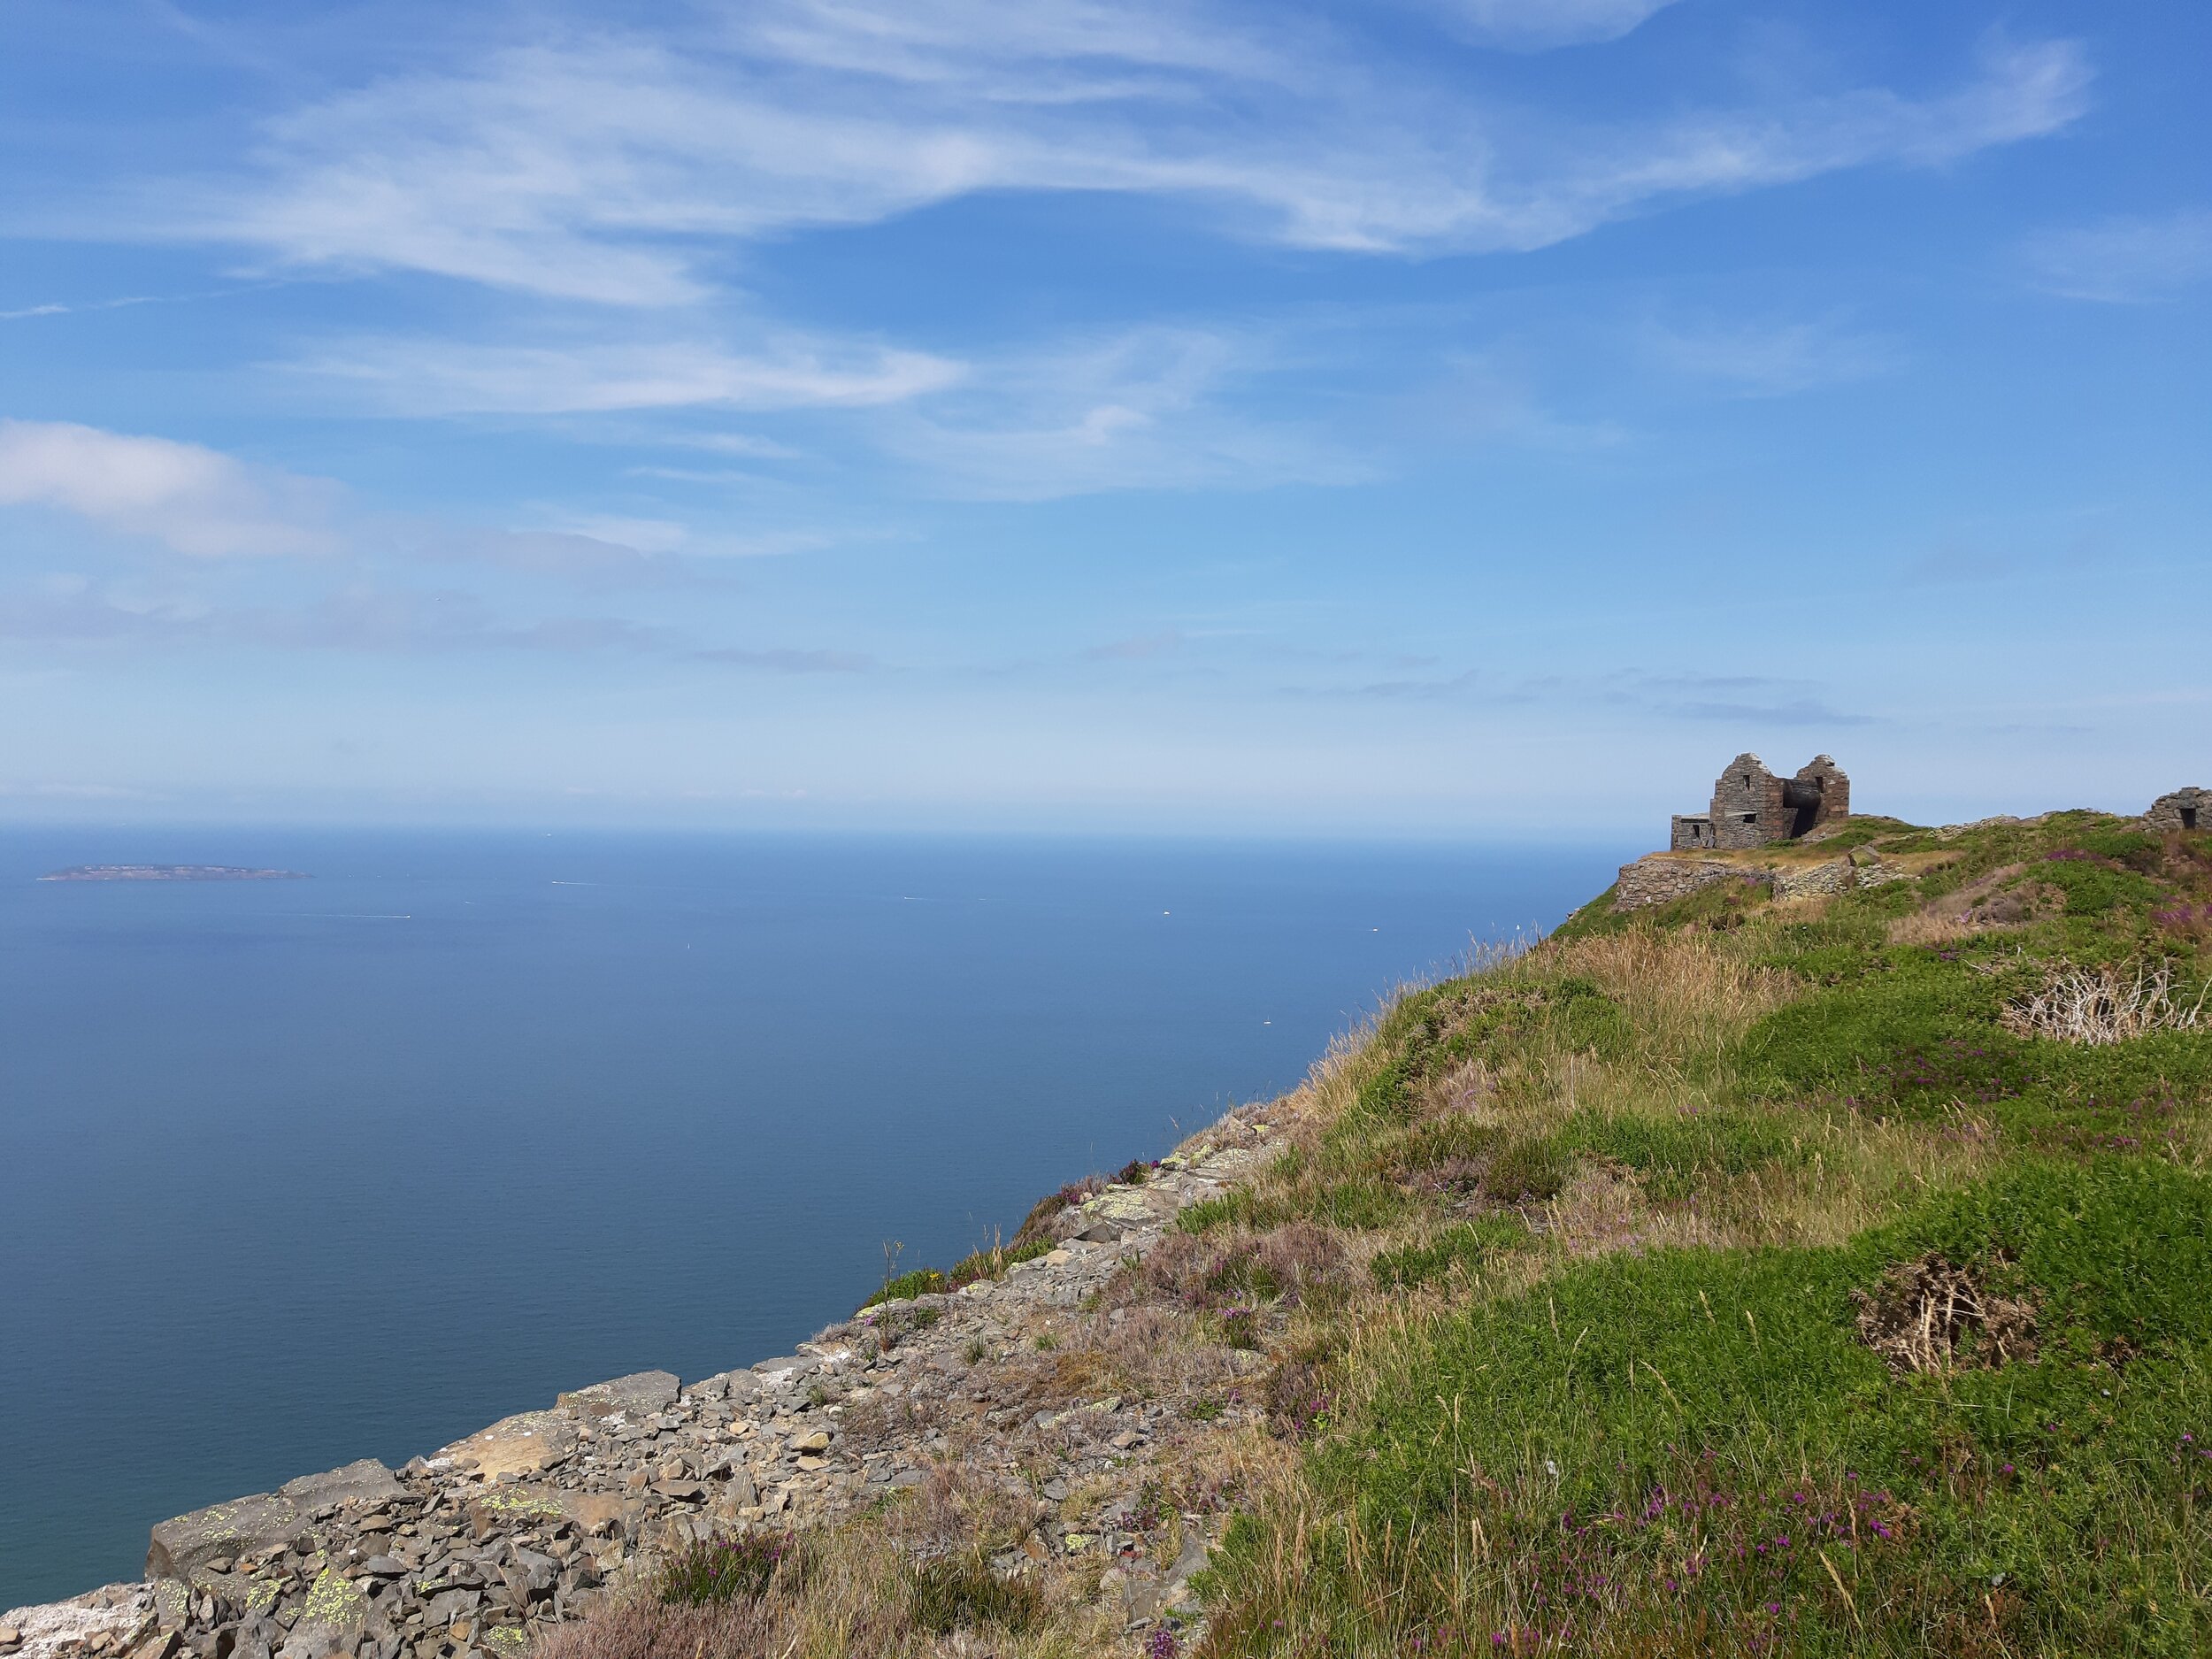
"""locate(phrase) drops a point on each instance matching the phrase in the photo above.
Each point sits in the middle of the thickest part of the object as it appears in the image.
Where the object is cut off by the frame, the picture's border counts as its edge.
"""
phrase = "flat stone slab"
(786, 1368)
(736, 1386)
(249, 1526)
(366, 1483)
(641, 1394)
(524, 1444)
(1122, 1204)
(178, 1549)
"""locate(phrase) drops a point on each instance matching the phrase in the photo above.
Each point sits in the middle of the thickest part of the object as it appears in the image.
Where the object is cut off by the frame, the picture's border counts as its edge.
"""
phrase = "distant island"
(171, 872)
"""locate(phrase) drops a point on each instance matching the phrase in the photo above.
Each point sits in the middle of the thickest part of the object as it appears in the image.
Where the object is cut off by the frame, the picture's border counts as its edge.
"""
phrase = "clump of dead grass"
(1931, 1316)
(641, 1628)
(918, 1586)
(1685, 996)
(1290, 1263)
(961, 1509)
(2109, 1004)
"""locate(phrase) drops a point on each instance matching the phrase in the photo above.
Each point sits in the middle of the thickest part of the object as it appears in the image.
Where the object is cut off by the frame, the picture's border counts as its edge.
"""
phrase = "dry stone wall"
(2189, 809)
(1661, 877)
(467, 1553)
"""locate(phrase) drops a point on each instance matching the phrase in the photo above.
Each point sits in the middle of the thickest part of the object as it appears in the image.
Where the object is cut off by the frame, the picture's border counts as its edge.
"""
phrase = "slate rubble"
(467, 1552)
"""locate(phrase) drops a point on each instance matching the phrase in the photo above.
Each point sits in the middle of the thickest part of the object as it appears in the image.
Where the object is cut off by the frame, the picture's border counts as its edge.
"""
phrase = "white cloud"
(444, 376)
(596, 168)
(2126, 260)
(745, 443)
(1149, 408)
(195, 500)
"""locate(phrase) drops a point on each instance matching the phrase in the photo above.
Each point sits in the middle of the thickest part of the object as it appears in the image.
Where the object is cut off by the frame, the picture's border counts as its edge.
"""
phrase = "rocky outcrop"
(468, 1551)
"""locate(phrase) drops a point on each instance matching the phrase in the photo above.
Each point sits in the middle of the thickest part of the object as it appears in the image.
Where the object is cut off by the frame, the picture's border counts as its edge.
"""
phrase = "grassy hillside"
(1755, 1276)
(1828, 1275)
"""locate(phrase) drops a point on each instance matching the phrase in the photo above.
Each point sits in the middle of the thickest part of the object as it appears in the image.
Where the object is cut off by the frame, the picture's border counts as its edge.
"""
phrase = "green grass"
(1466, 1246)
(923, 1281)
(1733, 1380)
(930, 1281)
(958, 1591)
(722, 1570)
(1594, 1440)
(1677, 1153)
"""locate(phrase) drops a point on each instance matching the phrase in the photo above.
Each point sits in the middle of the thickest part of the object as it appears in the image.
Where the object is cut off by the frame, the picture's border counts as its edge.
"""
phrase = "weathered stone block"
(786, 1368)
(524, 1444)
(181, 1546)
(641, 1394)
(733, 1385)
(331, 1623)
(1833, 877)
(364, 1482)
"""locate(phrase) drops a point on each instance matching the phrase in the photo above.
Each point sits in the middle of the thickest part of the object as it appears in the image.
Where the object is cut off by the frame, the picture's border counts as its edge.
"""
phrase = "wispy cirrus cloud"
(596, 167)
(1149, 408)
(2125, 261)
(208, 506)
(429, 376)
(196, 501)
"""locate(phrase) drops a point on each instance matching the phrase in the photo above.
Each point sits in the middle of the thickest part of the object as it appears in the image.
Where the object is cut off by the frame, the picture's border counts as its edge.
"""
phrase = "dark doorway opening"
(1803, 800)
(2188, 817)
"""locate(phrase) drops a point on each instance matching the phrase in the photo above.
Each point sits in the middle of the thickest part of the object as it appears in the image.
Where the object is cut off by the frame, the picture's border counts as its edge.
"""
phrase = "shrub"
(955, 1592)
(1674, 1151)
(1288, 1263)
(722, 1570)
(2107, 1005)
(640, 1628)
(1526, 1170)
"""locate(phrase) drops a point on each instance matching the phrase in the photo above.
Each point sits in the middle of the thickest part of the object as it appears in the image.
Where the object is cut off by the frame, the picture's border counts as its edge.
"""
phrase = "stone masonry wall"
(2188, 809)
(1747, 806)
(467, 1553)
(1660, 878)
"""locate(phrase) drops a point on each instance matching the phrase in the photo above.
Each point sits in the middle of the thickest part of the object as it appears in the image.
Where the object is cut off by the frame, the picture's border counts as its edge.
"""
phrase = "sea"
(295, 1173)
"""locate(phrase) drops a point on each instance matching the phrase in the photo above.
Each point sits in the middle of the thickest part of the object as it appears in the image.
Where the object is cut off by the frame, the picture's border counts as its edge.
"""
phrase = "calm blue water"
(292, 1173)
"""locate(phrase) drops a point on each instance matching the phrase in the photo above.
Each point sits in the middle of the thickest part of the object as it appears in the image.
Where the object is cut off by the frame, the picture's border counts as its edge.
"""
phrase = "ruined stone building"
(2187, 808)
(1752, 807)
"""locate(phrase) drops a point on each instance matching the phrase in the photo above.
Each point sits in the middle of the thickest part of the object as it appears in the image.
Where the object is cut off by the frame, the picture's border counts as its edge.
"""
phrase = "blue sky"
(1424, 417)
